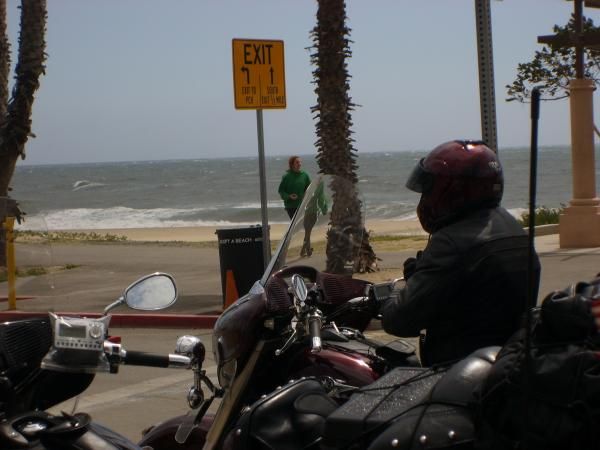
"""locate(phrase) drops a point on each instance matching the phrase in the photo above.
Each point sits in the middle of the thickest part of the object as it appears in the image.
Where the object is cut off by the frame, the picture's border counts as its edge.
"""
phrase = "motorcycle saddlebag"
(291, 418)
(412, 408)
(561, 410)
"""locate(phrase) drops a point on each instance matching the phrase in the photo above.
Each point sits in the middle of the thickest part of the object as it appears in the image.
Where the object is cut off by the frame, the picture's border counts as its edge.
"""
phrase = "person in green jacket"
(293, 185)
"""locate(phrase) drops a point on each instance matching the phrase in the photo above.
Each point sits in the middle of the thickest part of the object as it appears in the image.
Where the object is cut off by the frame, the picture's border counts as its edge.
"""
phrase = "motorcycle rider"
(469, 287)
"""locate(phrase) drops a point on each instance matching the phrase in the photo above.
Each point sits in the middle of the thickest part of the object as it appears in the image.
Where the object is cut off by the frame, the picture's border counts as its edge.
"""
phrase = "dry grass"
(398, 243)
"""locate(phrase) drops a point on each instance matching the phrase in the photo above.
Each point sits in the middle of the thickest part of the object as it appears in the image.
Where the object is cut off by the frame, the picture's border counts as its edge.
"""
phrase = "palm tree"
(347, 240)
(15, 115)
(4, 59)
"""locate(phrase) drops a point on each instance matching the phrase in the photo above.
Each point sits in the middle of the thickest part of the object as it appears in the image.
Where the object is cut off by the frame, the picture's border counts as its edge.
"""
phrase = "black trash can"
(242, 261)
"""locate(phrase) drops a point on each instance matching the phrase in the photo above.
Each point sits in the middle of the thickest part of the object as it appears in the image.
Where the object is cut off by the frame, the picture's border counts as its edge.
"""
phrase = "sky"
(152, 79)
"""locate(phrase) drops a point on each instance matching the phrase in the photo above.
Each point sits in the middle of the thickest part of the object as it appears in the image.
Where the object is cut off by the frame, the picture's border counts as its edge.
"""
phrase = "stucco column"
(580, 224)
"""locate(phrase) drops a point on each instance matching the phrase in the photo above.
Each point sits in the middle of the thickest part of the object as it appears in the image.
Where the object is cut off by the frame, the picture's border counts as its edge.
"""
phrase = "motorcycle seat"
(458, 384)
(422, 408)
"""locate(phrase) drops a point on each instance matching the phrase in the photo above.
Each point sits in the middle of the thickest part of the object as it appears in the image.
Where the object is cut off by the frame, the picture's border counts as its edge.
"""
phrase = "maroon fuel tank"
(343, 364)
(162, 435)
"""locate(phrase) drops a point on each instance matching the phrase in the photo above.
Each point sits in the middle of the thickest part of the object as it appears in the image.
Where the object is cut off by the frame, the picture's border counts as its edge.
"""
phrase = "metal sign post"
(263, 188)
(487, 96)
(259, 83)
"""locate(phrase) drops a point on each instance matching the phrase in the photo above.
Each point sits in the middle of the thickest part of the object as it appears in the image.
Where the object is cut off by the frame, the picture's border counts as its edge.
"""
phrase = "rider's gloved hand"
(410, 265)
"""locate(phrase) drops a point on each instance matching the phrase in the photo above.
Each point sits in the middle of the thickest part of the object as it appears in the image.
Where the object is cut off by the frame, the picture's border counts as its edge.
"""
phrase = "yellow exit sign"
(258, 74)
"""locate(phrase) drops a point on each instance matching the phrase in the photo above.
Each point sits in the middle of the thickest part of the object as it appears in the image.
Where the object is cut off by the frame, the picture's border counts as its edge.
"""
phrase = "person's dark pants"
(291, 211)
(310, 218)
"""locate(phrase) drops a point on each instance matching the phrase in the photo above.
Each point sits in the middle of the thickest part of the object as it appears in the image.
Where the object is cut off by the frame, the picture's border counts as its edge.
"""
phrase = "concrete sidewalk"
(104, 271)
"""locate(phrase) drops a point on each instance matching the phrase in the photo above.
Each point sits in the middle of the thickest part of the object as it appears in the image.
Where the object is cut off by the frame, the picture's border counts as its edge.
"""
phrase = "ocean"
(225, 192)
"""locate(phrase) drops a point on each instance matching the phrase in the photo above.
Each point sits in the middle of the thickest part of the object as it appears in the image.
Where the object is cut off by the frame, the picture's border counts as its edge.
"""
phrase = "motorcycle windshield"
(326, 231)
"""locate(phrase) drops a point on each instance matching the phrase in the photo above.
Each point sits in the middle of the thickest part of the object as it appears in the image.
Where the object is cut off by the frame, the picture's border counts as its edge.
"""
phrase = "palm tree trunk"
(15, 127)
(15, 115)
(4, 59)
(348, 242)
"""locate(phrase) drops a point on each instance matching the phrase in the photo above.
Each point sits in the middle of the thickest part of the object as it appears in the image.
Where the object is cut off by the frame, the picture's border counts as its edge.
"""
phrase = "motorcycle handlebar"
(151, 360)
(315, 323)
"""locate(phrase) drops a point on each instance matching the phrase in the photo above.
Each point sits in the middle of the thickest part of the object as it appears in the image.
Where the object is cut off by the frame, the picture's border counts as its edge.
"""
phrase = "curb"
(544, 230)
(128, 320)
(18, 298)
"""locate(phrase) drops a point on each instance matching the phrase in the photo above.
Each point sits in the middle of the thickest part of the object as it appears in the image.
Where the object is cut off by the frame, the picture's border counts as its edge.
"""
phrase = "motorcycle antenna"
(535, 115)
(531, 279)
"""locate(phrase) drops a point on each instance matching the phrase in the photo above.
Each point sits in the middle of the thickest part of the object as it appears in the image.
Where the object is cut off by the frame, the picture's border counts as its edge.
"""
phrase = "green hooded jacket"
(293, 183)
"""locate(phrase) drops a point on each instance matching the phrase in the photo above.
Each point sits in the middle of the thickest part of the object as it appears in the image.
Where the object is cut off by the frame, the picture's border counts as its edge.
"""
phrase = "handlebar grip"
(145, 359)
(314, 328)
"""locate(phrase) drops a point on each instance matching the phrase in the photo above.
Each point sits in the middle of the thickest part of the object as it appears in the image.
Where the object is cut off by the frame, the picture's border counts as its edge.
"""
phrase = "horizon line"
(213, 158)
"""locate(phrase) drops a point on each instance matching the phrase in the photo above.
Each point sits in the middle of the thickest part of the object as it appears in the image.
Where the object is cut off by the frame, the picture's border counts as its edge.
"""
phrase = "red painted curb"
(19, 298)
(128, 320)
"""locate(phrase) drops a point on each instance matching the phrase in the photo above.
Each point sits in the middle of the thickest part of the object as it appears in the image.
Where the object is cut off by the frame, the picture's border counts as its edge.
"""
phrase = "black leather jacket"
(469, 289)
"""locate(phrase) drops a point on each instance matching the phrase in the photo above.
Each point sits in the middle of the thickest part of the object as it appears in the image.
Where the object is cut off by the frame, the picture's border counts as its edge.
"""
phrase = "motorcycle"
(539, 391)
(298, 320)
(44, 362)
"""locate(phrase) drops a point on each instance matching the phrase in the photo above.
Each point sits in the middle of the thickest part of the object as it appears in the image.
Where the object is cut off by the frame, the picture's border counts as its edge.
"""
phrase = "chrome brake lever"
(209, 384)
(287, 344)
(198, 404)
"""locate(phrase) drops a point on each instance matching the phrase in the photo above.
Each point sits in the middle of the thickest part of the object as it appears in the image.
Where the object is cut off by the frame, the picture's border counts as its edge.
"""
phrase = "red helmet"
(456, 177)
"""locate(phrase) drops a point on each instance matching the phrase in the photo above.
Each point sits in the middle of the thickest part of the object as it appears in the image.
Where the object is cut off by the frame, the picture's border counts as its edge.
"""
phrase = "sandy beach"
(208, 234)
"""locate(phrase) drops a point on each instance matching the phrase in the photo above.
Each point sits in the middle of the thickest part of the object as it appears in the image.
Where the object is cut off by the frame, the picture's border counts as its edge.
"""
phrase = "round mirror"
(299, 287)
(156, 291)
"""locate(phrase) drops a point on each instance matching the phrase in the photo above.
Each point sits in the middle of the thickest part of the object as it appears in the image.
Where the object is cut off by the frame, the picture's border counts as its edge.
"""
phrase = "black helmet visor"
(420, 180)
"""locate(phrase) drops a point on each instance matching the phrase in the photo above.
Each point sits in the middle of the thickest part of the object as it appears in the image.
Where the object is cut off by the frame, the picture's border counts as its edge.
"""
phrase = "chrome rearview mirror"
(299, 288)
(151, 293)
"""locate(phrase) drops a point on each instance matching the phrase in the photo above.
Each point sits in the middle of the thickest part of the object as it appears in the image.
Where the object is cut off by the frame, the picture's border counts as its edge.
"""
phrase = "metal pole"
(263, 189)
(487, 96)
(531, 278)
(578, 17)
(535, 116)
